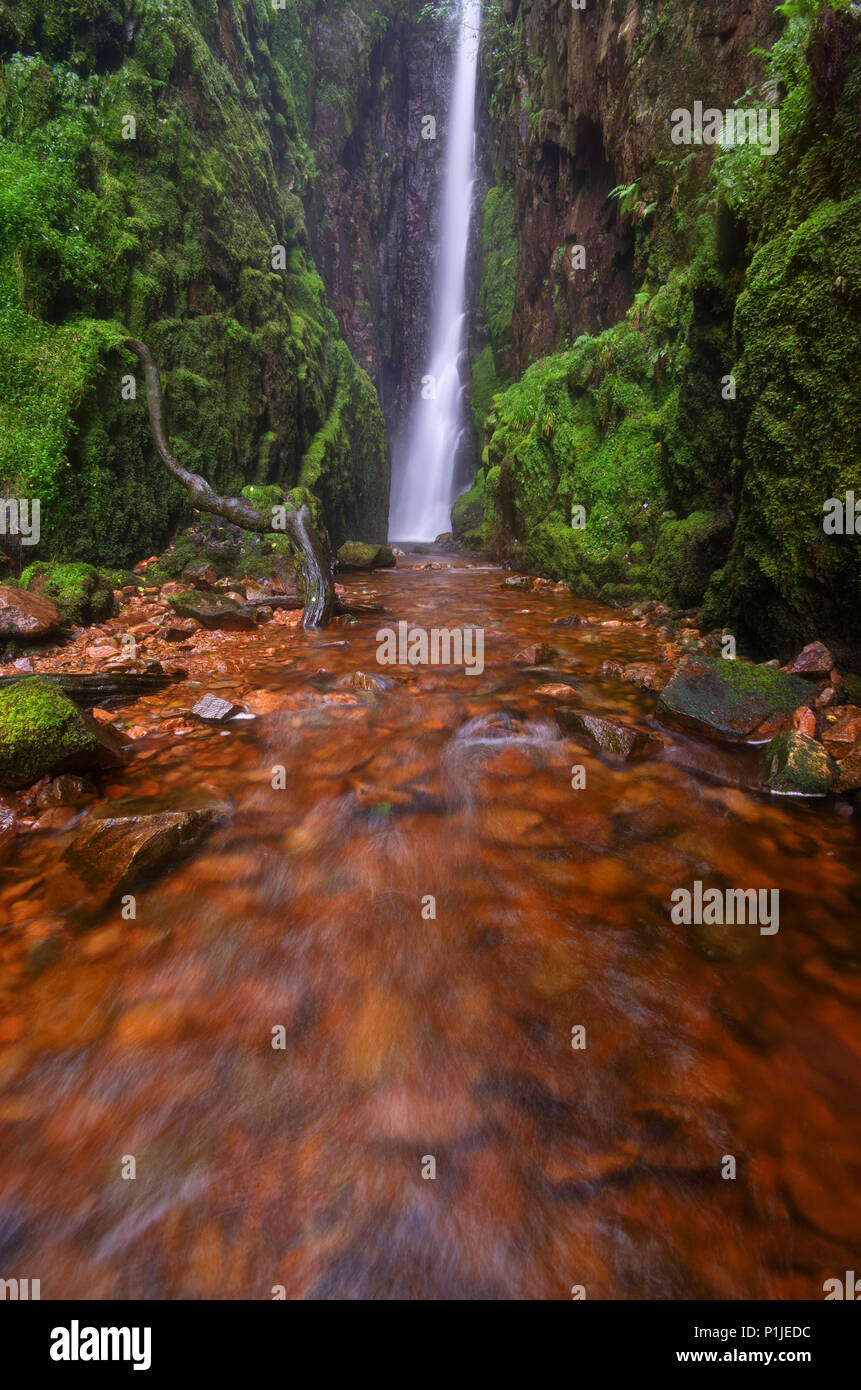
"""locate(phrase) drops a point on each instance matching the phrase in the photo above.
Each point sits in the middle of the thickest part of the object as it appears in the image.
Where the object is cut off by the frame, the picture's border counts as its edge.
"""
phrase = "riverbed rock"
(216, 614)
(798, 765)
(26, 616)
(648, 675)
(214, 710)
(729, 700)
(610, 735)
(8, 827)
(363, 555)
(42, 730)
(536, 655)
(849, 779)
(65, 791)
(814, 661)
(121, 841)
(201, 575)
(81, 593)
(842, 731)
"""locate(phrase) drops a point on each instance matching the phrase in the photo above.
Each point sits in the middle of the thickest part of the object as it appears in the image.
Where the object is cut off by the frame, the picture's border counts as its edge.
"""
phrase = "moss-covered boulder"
(799, 766)
(728, 699)
(213, 612)
(81, 593)
(361, 555)
(610, 735)
(41, 731)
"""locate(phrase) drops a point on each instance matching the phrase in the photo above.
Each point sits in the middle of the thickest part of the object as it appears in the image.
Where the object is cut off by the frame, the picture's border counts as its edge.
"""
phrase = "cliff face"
(688, 377)
(585, 108)
(152, 172)
(373, 208)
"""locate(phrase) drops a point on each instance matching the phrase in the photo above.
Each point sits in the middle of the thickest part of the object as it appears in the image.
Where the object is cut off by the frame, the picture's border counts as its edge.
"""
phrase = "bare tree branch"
(317, 564)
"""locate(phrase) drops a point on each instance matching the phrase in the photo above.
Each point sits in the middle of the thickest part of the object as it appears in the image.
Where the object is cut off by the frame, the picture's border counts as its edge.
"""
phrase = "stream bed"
(412, 1030)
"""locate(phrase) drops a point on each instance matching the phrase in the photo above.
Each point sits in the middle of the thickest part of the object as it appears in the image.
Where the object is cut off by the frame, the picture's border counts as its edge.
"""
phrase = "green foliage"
(168, 237)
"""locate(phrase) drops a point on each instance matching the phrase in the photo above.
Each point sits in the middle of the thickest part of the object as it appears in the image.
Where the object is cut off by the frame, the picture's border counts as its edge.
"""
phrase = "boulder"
(121, 841)
(216, 614)
(726, 699)
(361, 555)
(26, 616)
(42, 730)
(201, 575)
(82, 594)
(799, 766)
(609, 735)
(814, 661)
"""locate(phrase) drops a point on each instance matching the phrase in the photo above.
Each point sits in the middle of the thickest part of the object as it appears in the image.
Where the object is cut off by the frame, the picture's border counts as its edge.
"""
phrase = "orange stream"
(448, 1038)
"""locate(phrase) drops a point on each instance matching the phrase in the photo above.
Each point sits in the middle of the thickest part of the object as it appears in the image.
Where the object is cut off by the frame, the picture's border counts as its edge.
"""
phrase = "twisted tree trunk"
(316, 556)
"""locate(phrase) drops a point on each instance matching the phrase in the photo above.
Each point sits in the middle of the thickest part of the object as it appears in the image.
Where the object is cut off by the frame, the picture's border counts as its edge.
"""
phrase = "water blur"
(411, 1036)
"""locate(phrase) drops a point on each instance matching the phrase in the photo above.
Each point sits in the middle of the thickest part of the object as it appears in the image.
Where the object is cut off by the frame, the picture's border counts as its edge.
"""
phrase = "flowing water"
(411, 1037)
(423, 482)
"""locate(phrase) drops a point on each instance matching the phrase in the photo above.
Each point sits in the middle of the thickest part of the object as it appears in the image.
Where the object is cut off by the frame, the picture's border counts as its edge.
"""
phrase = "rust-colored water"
(450, 1038)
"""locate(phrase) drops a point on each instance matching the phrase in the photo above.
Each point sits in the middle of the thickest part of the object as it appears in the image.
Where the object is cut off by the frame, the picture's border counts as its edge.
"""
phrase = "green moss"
(263, 498)
(81, 593)
(799, 766)
(686, 555)
(39, 729)
(168, 237)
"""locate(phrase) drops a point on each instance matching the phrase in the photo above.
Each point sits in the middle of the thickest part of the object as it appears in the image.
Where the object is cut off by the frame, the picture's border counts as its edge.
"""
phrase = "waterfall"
(423, 485)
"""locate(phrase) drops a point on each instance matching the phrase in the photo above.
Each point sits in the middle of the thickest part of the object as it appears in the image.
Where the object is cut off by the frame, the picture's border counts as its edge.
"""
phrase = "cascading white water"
(423, 483)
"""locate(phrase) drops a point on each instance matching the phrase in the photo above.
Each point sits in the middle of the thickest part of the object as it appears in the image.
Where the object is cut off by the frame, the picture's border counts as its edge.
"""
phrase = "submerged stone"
(121, 841)
(609, 735)
(798, 765)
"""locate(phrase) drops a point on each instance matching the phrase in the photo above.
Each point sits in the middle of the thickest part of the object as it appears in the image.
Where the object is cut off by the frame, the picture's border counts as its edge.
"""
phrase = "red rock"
(825, 698)
(815, 660)
(535, 655)
(804, 720)
(23, 614)
(850, 771)
(842, 731)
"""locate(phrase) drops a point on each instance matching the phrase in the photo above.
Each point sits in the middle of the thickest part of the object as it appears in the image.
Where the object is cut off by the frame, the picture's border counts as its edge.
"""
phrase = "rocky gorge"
(338, 913)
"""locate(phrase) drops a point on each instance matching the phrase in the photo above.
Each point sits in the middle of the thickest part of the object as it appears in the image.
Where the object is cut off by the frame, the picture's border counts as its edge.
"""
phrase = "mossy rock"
(42, 731)
(264, 498)
(81, 593)
(799, 766)
(362, 555)
(728, 699)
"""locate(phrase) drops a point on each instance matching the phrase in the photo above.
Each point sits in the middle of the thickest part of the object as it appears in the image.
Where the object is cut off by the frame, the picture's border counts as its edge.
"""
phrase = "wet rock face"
(372, 213)
(594, 112)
